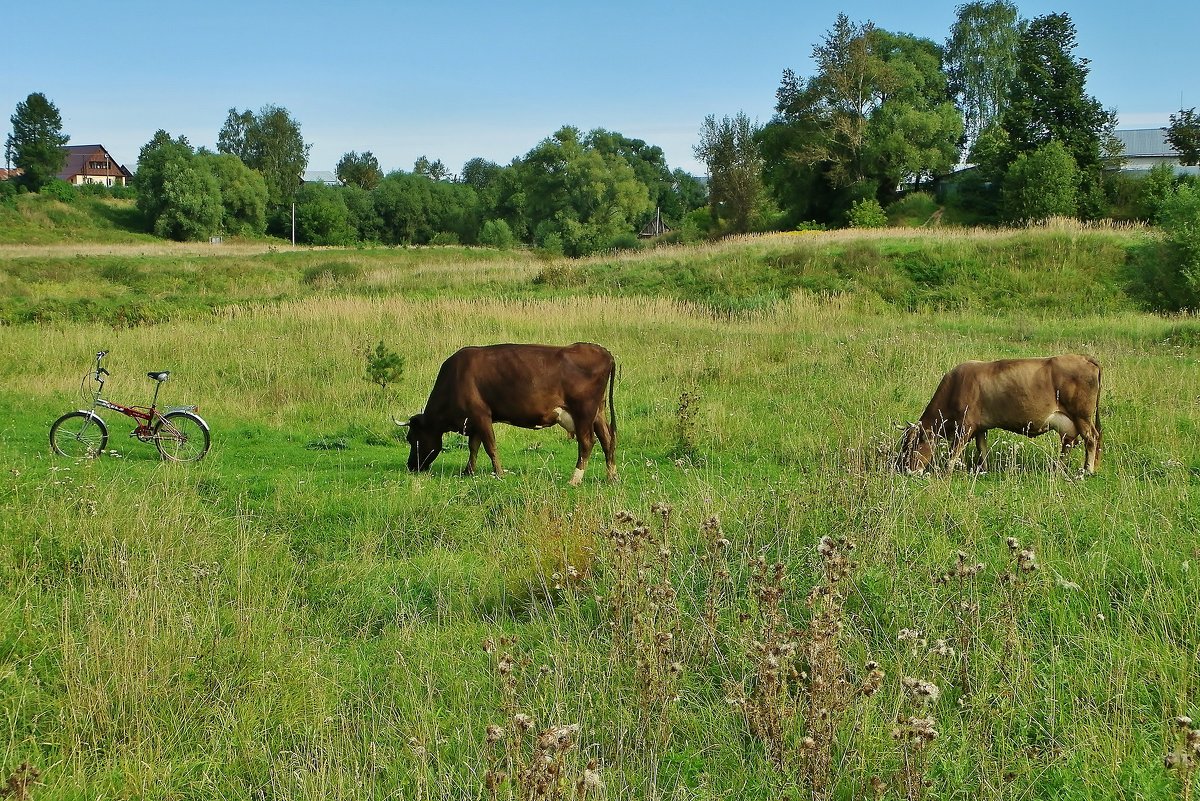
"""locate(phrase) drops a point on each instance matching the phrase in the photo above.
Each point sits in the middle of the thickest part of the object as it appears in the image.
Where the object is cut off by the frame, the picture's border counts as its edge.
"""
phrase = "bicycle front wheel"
(79, 435)
(181, 437)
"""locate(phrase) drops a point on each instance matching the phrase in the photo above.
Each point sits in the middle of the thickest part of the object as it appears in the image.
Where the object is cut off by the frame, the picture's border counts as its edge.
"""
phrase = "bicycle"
(179, 433)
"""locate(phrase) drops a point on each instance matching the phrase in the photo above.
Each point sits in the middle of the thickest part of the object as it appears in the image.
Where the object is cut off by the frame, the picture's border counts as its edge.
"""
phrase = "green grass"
(298, 617)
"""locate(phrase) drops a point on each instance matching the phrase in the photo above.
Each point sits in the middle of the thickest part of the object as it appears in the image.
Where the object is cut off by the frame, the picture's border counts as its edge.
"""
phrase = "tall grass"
(291, 620)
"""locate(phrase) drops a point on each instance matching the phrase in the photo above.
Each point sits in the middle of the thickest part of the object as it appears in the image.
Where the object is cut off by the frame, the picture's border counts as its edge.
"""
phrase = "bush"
(867, 213)
(60, 190)
(913, 210)
(1179, 216)
(625, 241)
(444, 238)
(496, 234)
(1041, 185)
(8, 193)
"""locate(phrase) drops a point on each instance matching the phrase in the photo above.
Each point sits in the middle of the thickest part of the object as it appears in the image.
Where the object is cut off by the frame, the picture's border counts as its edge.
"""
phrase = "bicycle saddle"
(160, 375)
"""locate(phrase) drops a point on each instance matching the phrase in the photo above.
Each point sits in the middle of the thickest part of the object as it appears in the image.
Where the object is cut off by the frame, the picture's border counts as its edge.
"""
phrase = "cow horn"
(402, 425)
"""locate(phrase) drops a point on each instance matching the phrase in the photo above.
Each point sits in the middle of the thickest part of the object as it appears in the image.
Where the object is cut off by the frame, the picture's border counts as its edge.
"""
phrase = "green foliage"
(271, 143)
(496, 234)
(384, 366)
(243, 194)
(1179, 216)
(729, 149)
(359, 170)
(981, 61)
(913, 210)
(35, 144)
(1158, 185)
(322, 217)
(60, 190)
(875, 114)
(580, 196)
(1048, 103)
(1041, 184)
(1184, 135)
(867, 213)
(191, 202)
(154, 162)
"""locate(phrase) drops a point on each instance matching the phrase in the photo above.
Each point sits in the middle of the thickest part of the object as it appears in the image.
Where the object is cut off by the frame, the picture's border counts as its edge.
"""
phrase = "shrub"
(497, 234)
(867, 213)
(1041, 185)
(1179, 216)
(60, 190)
(912, 210)
(444, 238)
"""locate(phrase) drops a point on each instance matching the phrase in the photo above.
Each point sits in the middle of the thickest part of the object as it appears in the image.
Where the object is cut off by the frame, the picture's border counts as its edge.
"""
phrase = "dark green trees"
(35, 144)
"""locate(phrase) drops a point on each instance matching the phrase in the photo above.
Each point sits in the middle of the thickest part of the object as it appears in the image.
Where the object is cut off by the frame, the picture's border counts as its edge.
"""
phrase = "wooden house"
(92, 164)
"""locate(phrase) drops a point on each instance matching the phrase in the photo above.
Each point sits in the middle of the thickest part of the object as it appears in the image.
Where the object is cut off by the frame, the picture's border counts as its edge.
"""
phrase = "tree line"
(882, 115)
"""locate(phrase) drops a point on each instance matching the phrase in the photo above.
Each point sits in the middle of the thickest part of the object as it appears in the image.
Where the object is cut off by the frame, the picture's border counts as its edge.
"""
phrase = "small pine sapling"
(384, 366)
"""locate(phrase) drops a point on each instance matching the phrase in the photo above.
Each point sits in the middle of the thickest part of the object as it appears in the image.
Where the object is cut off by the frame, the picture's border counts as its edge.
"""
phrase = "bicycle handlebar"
(100, 370)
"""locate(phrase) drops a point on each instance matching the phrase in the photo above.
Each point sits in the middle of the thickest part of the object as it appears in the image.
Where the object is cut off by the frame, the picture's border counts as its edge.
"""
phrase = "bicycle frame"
(153, 424)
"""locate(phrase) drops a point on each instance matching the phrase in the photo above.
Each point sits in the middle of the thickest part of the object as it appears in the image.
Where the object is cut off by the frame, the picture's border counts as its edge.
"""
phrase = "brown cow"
(530, 386)
(1025, 396)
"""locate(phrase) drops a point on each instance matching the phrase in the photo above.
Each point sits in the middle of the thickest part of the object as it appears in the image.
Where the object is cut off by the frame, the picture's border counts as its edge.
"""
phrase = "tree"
(577, 195)
(269, 142)
(1041, 184)
(361, 171)
(36, 142)
(160, 160)
(1184, 135)
(730, 152)
(243, 193)
(875, 114)
(322, 217)
(191, 202)
(1048, 103)
(434, 170)
(981, 56)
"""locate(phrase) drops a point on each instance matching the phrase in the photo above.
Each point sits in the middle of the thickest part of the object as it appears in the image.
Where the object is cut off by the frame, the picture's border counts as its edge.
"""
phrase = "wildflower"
(494, 733)
(522, 721)
(1027, 561)
(925, 691)
(590, 780)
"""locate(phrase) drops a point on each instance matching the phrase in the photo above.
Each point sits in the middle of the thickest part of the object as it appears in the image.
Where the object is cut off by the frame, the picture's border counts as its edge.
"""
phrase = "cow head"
(916, 449)
(425, 443)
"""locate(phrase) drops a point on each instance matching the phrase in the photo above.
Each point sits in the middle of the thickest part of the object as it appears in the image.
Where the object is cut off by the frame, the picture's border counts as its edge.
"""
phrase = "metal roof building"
(1147, 147)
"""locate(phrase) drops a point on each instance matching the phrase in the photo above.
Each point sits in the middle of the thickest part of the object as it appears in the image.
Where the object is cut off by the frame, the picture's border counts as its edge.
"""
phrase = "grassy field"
(298, 617)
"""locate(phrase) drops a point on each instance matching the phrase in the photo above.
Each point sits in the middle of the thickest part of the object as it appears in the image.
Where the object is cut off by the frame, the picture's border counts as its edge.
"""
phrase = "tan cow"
(1025, 396)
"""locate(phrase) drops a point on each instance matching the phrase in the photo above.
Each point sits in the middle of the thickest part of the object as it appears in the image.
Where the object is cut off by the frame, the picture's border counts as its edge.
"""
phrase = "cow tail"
(612, 409)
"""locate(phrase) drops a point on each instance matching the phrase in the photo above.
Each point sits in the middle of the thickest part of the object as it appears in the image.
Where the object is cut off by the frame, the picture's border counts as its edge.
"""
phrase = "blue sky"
(455, 80)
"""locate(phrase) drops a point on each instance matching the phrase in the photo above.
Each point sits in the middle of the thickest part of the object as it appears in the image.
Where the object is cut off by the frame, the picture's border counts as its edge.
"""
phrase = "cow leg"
(608, 441)
(962, 438)
(981, 451)
(473, 440)
(1091, 446)
(587, 439)
(485, 432)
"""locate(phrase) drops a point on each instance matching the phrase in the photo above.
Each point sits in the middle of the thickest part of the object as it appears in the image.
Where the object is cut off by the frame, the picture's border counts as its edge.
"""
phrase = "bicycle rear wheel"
(79, 435)
(181, 437)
